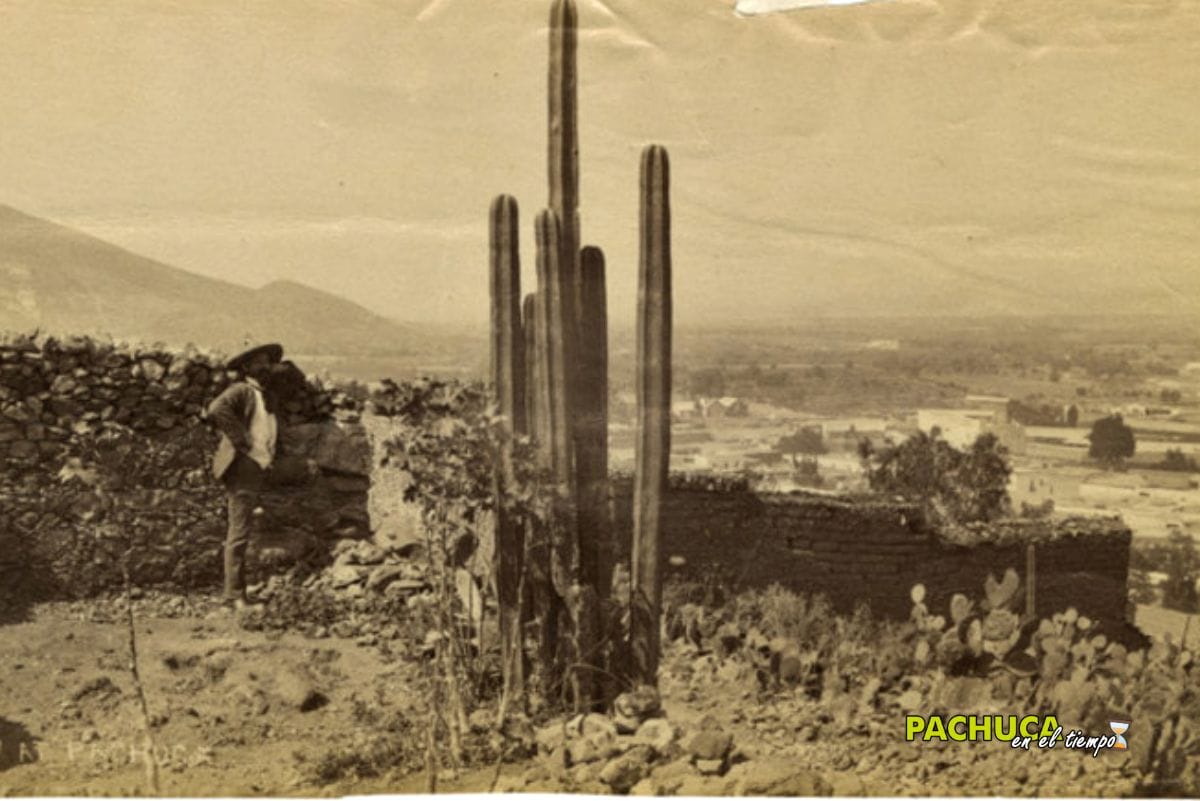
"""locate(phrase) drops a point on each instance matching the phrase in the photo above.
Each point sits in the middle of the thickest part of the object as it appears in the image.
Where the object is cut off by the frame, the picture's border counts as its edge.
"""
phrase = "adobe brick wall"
(862, 549)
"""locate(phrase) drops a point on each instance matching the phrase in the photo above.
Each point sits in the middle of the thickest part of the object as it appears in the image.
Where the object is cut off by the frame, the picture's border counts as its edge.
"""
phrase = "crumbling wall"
(870, 550)
(327, 490)
(56, 393)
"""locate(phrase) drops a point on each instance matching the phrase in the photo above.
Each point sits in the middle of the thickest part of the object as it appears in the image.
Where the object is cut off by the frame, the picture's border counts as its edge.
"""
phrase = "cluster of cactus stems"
(549, 368)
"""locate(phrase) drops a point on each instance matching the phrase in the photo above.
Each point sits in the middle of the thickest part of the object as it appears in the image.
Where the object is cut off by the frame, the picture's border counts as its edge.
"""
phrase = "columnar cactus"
(654, 408)
(508, 378)
(591, 467)
(568, 559)
(591, 441)
(529, 329)
(564, 564)
(563, 148)
(539, 593)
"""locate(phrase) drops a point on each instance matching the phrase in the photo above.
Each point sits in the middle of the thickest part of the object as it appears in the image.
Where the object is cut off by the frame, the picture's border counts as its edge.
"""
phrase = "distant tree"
(707, 383)
(1170, 396)
(1037, 511)
(1176, 459)
(954, 486)
(774, 378)
(1179, 590)
(1072, 416)
(1112, 441)
(1141, 591)
(808, 441)
(1030, 413)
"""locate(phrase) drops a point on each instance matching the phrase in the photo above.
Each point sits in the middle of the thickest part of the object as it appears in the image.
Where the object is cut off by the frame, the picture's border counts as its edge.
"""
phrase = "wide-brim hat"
(273, 352)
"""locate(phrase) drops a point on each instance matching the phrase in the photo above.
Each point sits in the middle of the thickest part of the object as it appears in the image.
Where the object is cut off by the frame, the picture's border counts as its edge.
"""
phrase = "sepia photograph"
(697, 398)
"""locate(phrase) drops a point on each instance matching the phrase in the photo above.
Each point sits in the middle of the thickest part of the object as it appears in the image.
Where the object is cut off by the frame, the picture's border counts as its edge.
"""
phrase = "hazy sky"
(906, 156)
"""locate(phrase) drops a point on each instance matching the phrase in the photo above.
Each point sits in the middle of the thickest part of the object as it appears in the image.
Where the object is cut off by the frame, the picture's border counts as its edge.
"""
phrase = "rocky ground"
(332, 711)
(716, 734)
(234, 712)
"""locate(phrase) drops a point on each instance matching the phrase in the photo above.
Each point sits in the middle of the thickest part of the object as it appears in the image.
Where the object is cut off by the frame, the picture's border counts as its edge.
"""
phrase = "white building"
(961, 427)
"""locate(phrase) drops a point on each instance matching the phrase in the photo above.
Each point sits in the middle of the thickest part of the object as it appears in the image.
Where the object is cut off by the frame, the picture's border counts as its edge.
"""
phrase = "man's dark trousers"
(243, 483)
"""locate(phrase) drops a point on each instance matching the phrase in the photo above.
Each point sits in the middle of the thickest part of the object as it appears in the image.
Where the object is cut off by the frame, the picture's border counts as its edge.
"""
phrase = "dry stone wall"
(864, 549)
(55, 394)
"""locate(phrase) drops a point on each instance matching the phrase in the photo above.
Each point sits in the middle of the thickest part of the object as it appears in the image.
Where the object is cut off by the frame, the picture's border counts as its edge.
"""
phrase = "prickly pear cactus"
(951, 648)
(1002, 594)
(1001, 630)
(919, 610)
(960, 608)
(974, 638)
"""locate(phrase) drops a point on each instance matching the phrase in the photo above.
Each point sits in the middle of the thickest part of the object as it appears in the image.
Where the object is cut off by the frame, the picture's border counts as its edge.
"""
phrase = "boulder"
(550, 738)
(702, 786)
(382, 576)
(638, 704)
(360, 552)
(343, 449)
(151, 369)
(595, 724)
(294, 689)
(776, 777)
(345, 575)
(709, 744)
(596, 747)
(657, 733)
(623, 772)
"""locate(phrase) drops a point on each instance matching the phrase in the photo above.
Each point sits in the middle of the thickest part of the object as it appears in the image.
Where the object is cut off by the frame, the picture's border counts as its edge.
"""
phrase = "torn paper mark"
(752, 8)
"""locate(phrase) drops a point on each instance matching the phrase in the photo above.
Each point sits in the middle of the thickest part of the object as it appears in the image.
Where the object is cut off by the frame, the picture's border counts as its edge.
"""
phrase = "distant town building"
(844, 435)
(961, 427)
(723, 407)
(682, 411)
(999, 405)
(1129, 410)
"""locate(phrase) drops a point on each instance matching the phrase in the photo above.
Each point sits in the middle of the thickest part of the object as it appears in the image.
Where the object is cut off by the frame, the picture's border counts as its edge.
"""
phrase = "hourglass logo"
(1119, 727)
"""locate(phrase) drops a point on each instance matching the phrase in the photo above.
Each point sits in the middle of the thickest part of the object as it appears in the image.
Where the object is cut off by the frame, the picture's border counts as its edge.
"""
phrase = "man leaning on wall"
(249, 436)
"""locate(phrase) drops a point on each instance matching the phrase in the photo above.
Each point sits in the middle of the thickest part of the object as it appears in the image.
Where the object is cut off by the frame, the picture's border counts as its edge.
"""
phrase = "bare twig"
(496, 774)
(151, 758)
(431, 760)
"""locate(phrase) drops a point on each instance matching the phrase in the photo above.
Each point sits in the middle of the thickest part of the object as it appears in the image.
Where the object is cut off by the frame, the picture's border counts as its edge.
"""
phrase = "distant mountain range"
(60, 280)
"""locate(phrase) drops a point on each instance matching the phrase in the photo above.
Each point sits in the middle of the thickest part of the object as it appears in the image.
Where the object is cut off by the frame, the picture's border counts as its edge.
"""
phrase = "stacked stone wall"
(55, 395)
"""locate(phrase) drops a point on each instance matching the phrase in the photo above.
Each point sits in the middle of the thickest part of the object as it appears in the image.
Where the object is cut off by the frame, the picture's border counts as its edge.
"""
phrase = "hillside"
(61, 280)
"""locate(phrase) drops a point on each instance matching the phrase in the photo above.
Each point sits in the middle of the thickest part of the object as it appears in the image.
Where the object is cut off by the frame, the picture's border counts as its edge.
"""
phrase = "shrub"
(954, 486)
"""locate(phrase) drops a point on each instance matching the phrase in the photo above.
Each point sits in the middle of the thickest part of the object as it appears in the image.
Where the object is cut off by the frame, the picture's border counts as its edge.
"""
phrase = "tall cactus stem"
(563, 141)
(564, 553)
(537, 547)
(591, 456)
(508, 374)
(653, 409)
